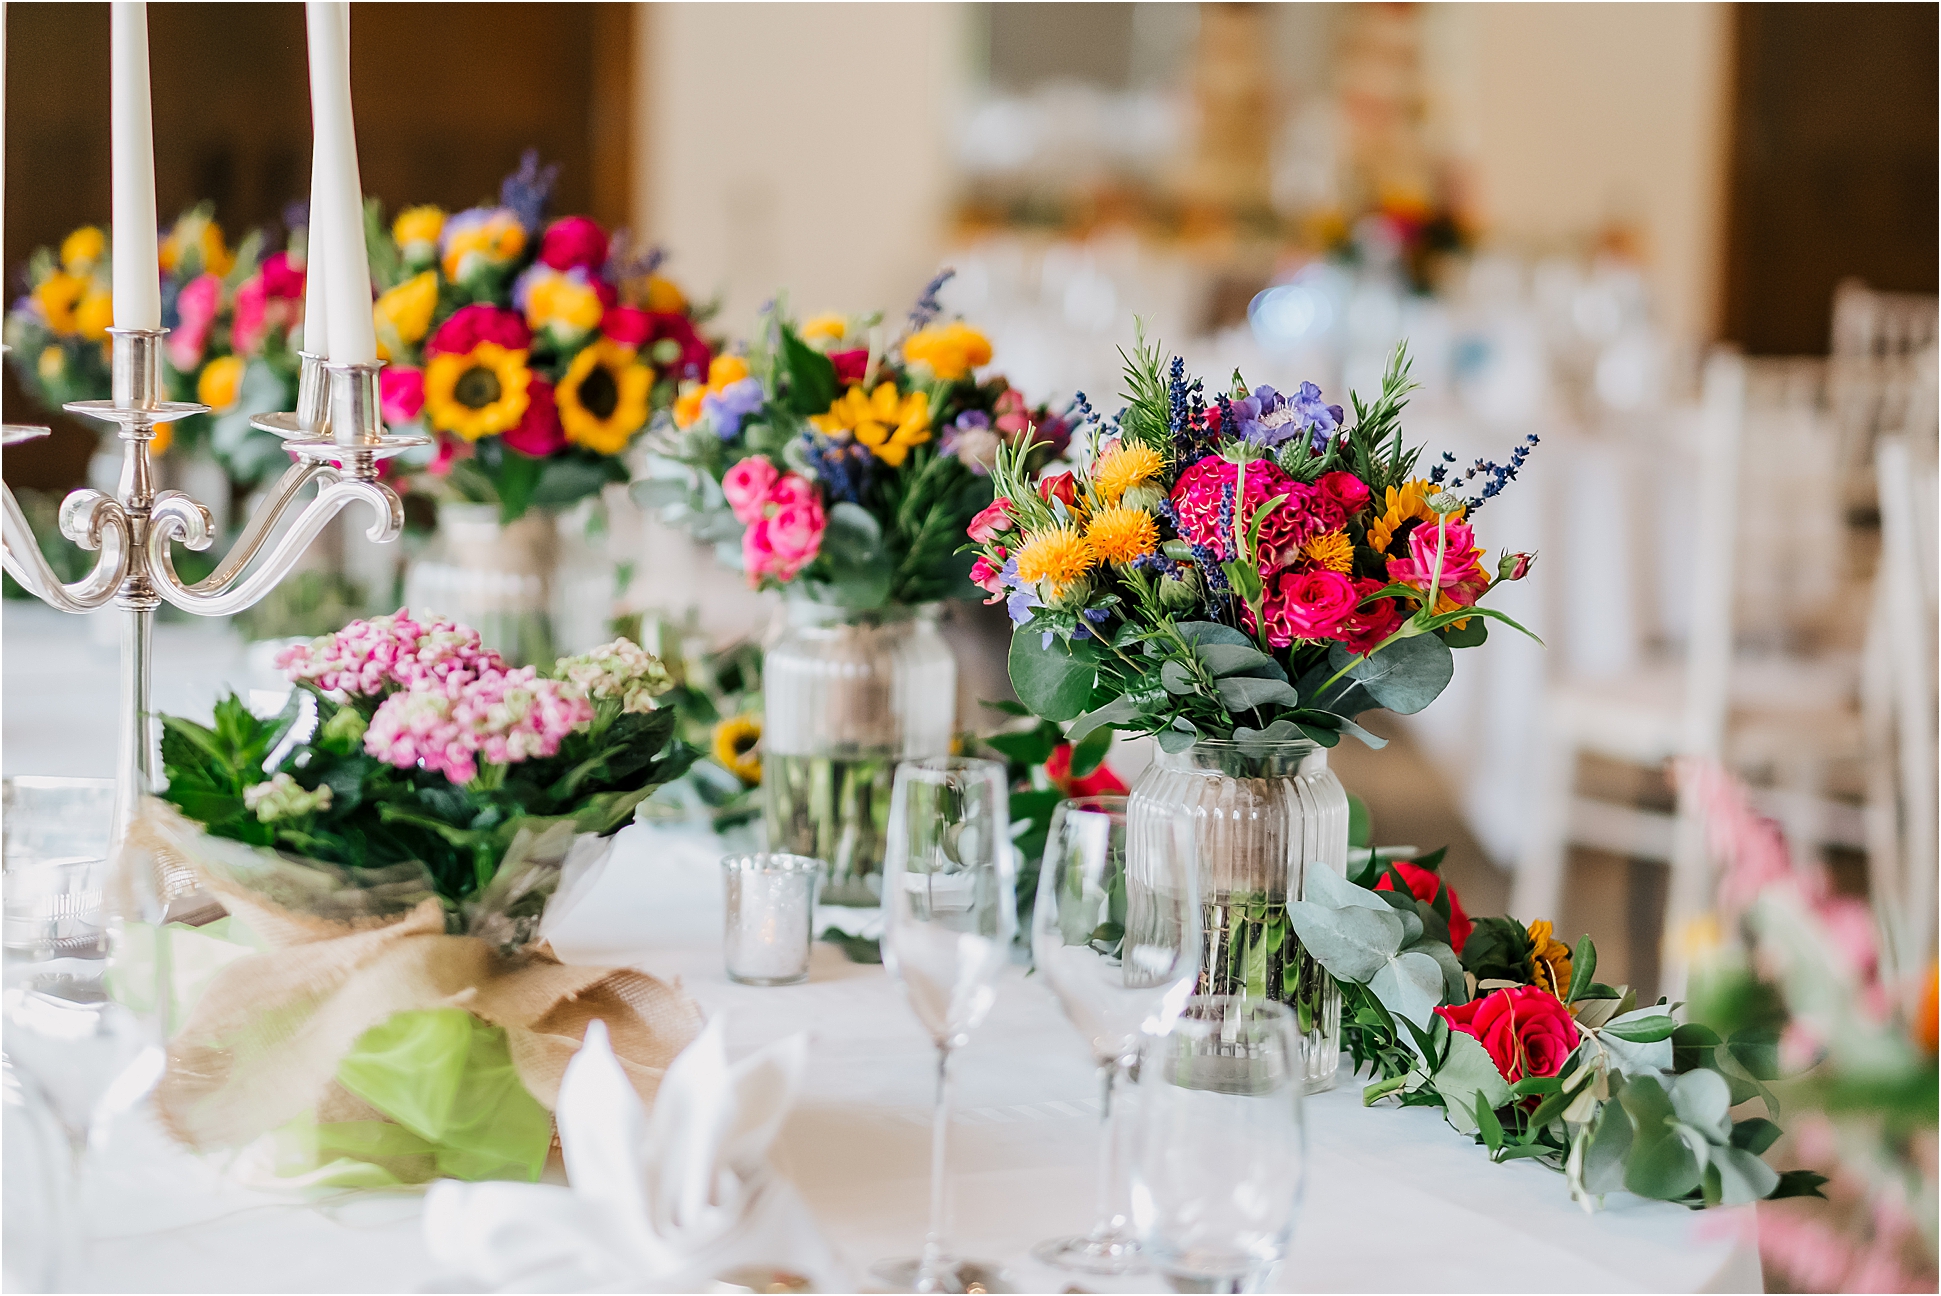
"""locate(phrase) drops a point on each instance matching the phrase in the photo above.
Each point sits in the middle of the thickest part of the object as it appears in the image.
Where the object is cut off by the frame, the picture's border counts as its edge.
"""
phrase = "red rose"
(1303, 605)
(627, 325)
(850, 365)
(471, 325)
(1100, 782)
(1060, 487)
(574, 242)
(1364, 628)
(280, 278)
(1347, 491)
(1423, 886)
(1525, 1031)
(539, 433)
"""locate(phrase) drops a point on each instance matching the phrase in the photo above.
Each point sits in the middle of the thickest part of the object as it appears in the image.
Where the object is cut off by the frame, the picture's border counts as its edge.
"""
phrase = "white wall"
(1575, 115)
(799, 146)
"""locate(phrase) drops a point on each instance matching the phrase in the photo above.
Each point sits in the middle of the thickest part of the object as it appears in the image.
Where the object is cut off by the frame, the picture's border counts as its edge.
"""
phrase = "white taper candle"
(316, 313)
(346, 264)
(138, 276)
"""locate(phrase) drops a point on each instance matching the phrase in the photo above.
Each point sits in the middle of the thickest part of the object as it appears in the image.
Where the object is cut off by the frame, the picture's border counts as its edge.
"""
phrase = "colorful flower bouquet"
(229, 313)
(1507, 1030)
(1251, 570)
(393, 1011)
(533, 350)
(839, 463)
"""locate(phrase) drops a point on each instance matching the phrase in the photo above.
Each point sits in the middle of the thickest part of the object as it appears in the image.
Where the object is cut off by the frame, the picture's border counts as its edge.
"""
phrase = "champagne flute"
(1120, 948)
(1222, 1152)
(948, 921)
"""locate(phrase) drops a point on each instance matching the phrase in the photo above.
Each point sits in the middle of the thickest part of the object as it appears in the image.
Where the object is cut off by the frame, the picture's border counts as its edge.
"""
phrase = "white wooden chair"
(1740, 692)
(1881, 363)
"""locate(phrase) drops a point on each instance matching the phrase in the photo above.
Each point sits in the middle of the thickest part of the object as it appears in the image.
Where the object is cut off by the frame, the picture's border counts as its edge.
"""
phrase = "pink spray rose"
(471, 325)
(1463, 577)
(1013, 416)
(746, 486)
(282, 277)
(401, 392)
(989, 576)
(991, 521)
(195, 307)
(1304, 605)
(794, 537)
(574, 241)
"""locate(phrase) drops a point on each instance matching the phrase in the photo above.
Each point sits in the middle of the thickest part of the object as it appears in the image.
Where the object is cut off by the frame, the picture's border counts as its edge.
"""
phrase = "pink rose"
(1012, 417)
(282, 277)
(627, 325)
(250, 324)
(794, 536)
(746, 486)
(471, 325)
(574, 241)
(195, 308)
(401, 392)
(791, 490)
(757, 553)
(1463, 577)
(450, 450)
(1304, 605)
(992, 521)
(988, 576)
(850, 365)
(1345, 490)
(539, 433)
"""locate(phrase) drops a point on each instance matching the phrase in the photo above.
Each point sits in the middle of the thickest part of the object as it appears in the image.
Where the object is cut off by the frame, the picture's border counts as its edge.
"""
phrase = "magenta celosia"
(1198, 496)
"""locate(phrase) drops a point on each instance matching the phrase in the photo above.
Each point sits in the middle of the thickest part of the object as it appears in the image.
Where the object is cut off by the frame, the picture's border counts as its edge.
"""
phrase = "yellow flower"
(950, 350)
(52, 363)
(221, 383)
(478, 394)
(687, 406)
(890, 426)
(825, 328)
(403, 315)
(83, 247)
(196, 234)
(496, 236)
(1549, 960)
(1332, 550)
(603, 397)
(1123, 467)
(723, 372)
(1409, 500)
(663, 296)
(95, 313)
(1118, 535)
(558, 301)
(737, 748)
(417, 228)
(164, 434)
(1059, 555)
(57, 296)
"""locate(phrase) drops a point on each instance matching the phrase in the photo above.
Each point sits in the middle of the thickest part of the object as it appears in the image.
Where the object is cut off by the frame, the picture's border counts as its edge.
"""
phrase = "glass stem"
(1112, 1209)
(933, 1244)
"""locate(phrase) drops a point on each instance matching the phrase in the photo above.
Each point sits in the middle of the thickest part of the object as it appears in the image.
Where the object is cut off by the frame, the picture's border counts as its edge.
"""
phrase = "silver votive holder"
(770, 917)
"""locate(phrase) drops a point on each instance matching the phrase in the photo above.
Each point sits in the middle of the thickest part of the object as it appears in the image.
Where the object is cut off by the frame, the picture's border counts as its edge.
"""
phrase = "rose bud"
(1063, 487)
(1514, 566)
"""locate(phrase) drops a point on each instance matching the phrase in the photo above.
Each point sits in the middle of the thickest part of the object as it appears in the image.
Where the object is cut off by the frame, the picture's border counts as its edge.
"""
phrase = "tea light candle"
(138, 270)
(771, 904)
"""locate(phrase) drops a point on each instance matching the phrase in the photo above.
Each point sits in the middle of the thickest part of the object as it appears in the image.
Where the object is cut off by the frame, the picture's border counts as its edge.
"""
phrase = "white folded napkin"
(660, 1203)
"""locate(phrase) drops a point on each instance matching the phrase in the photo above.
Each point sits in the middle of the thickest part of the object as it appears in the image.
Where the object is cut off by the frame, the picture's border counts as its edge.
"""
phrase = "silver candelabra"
(337, 438)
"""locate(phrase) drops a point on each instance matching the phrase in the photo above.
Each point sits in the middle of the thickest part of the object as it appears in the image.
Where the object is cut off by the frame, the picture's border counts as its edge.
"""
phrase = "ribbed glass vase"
(1258, 817)
(846, 695)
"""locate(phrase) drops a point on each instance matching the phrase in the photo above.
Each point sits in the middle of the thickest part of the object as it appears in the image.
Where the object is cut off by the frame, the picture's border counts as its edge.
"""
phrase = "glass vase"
(496, 577)
(1261, 815)
(846, 696)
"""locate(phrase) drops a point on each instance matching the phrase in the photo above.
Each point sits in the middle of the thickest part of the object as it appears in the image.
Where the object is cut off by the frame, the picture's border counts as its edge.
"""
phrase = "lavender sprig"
(1496, 476)
(928, 307)
(529, 190)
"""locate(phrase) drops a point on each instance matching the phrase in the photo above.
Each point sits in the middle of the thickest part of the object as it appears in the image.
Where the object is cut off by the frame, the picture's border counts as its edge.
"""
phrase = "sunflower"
(95, 313)
(736, 744)
(1124, 467)
(83, 247)
(57, 296)
(603, 397)
(1549, 960)
(887, 424)
(1407, 502)
(403, 314)
(479, 393)
(1332, 550)
(1059, 554)
(1118, 535)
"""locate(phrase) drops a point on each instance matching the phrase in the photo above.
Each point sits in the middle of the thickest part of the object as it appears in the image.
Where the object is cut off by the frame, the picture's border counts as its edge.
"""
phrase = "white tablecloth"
(1396, 1200)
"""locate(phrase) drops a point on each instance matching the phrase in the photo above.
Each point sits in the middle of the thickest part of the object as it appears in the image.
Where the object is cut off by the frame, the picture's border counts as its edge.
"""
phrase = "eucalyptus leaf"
(1405, 676)
(1743, 1177)
(1211, 632)
(1465, 1075)
(1120, 710)
(1054, 680)
(1245, 692)
(1237, 659)
(1409, 985)
(1176, 678)
(1352, 940)
(1702, 1101)
(1174, 741)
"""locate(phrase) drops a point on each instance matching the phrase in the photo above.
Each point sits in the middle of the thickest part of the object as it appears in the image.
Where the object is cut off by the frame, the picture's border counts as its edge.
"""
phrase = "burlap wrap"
(261, 1046)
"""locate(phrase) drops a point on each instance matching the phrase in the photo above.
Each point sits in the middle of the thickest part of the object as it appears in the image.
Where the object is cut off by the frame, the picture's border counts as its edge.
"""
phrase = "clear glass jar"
(496, 577)
(846, 695)
(1261, 815)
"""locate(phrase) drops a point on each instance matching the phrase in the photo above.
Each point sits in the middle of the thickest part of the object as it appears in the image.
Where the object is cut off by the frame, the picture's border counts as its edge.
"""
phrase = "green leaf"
(1358, 823)
(1466, 1077)
(1756, 1048)
(1088, 755)
(1177, 679)
(1473, 633)
(1405, 676)
(811, 377)
(1611, 1137)
(1742, 1176)
(1691, 1046)
(1235, 659)
(1640, 1030)
(1211, 632)
(1348, 930)
(516, 481)
(1661, 1165)
(1409, 985)
(1702, 1101)
(1755, 1134)
(1583, 966)
(1246, 692)
(1120, 710)
(1487, 1124)
(1639, 1057)
(1054, 680)
(1032, 747)
(1798, 1183)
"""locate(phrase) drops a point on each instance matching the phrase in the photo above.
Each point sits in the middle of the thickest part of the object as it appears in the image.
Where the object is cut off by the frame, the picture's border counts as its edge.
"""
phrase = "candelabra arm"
(176, 517)
(188, 522)
(91, 520)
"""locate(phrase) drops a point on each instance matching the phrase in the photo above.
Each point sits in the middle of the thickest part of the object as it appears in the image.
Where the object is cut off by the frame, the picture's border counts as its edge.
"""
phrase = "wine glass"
(1120, 948)
(1222, 1152)
(948, 922)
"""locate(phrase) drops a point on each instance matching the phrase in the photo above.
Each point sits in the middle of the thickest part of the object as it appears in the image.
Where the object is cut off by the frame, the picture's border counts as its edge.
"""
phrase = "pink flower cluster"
(783, 514)
(505, 716)
(370, 658)
(1463, 577)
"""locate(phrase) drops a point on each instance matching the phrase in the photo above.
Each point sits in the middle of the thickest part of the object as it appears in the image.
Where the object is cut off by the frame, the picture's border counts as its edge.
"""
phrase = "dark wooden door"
(1833, 164)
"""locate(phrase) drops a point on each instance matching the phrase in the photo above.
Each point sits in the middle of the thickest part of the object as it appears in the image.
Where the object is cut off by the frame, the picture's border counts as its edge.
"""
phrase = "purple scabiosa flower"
(726, 408)
(529, 190)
